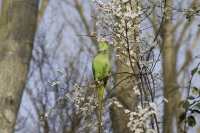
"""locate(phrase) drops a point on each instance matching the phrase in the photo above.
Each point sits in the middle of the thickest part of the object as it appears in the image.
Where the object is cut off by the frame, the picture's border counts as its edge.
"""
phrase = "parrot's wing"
(106, 73)
(93, 70)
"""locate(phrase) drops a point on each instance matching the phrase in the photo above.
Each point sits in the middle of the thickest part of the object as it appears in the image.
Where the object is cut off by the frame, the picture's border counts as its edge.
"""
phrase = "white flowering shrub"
(139, 119)
(82, 102)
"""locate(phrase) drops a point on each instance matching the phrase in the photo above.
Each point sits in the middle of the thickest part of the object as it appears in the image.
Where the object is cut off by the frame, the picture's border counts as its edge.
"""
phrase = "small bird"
(101, 67)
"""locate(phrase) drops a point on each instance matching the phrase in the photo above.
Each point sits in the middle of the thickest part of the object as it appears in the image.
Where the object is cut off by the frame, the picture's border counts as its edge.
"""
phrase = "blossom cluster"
(85, 104)
(139, 120)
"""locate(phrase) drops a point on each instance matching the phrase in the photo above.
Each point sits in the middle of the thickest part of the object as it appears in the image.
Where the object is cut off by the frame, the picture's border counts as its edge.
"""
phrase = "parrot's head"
(103, 46)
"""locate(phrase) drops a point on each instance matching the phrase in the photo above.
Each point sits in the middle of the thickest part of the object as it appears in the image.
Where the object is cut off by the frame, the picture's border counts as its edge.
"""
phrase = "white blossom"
(54, 83)
(126, 111)
(165, 100)
(119, 105)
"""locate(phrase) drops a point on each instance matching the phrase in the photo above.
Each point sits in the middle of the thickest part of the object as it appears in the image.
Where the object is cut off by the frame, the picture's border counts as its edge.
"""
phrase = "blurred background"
(60, 69)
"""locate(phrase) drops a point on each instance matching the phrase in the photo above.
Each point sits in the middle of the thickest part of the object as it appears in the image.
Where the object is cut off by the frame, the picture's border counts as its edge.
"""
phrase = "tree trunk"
(17, 28)
(171, 92)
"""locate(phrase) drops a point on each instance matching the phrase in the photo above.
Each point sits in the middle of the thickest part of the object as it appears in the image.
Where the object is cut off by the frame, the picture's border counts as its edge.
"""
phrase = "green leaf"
(190, 98)
(182, 117)
(185, 104)
(199, 72)
(195, 90)
(195, 111)
(191, 121)
(199, 92)
(194, 71)
(197, 105)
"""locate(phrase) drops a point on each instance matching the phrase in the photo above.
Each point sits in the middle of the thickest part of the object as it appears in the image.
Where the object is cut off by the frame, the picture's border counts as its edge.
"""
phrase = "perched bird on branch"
(101, 67)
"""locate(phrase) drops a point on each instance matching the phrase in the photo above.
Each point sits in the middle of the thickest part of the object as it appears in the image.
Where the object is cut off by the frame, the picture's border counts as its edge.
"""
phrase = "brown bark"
(17, 28)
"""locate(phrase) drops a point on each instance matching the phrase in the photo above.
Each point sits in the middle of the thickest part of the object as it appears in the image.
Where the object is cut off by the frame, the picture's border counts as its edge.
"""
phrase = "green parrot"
(101, 67)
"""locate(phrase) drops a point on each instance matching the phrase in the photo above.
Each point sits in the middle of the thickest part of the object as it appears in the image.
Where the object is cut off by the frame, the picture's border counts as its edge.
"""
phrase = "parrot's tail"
(101, 90)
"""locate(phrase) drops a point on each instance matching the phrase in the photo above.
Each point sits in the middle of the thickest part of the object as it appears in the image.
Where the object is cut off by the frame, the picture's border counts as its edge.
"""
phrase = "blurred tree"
(169, 69)
(17, 28)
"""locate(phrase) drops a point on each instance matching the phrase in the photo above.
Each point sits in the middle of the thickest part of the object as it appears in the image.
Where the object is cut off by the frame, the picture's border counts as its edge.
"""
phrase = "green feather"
(101, 63)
